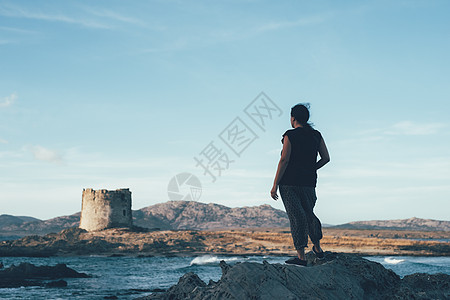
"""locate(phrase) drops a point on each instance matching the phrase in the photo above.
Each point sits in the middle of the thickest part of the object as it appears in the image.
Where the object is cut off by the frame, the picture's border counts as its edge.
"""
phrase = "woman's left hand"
(273, 192)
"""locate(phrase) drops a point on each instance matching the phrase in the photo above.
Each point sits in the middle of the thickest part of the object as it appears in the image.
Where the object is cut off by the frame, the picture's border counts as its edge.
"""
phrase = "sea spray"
(211, 260)
(393, 261)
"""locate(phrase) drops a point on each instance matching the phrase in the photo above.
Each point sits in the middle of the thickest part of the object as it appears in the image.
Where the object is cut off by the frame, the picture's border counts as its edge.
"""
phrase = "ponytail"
(301, 113)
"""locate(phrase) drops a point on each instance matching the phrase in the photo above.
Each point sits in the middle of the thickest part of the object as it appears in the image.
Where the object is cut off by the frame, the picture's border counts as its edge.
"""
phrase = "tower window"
(124, 213)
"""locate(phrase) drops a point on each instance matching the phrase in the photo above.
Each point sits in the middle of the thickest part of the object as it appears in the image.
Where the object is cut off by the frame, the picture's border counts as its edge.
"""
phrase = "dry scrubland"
(276, 241)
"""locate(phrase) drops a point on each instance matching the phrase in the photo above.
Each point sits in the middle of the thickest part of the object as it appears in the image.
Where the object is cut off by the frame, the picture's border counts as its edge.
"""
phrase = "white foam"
(210, 259)
(393, 261)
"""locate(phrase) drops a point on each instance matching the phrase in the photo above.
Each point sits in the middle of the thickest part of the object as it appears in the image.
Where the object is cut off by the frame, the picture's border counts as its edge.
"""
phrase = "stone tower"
(103, 209)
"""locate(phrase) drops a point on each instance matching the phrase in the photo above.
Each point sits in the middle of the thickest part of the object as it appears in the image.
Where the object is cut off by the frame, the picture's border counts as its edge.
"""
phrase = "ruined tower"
(103, 209)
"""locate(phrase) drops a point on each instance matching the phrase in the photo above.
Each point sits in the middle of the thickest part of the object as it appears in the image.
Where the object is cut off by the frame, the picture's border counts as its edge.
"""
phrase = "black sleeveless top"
(301, 169)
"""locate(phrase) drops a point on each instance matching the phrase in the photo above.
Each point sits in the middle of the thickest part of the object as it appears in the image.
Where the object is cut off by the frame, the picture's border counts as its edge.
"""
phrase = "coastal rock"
(27, 274)
(338, 276)
(425, 286)
(57, 283)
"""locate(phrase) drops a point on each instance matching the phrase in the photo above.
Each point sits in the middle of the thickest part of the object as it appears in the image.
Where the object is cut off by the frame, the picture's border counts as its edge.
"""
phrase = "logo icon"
(184, 186)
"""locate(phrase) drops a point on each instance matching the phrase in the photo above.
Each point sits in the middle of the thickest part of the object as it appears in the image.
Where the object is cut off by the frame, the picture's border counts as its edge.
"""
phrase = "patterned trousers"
(299, 202)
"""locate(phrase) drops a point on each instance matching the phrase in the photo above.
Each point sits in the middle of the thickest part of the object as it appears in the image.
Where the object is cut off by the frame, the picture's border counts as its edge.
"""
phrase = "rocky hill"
(202, 216)
(7, 220)
(168, 215)
(405, 224)
(11, 227)
(196, 215)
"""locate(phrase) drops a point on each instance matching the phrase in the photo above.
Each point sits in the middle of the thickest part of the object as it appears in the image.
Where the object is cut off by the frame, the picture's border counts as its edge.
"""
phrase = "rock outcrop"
(27, 274)
(338, 276)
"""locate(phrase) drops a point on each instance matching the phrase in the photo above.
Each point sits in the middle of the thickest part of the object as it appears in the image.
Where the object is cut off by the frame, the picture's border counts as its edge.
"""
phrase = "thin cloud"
(217, 36)
(406, 128)
(17, 12)
(410, 128)
(8, 101)
(311, 20)
(434, 169)
(276, 151)
(114, 16)
(2, 141)
(45, 154)
(17, 30)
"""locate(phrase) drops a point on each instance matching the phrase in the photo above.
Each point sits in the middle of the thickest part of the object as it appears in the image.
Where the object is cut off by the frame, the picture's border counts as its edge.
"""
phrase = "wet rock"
(338, 276)
(57, 283)
(116, 255)
(424, 286)
(27, 274)
(224, 266)
(187, 284)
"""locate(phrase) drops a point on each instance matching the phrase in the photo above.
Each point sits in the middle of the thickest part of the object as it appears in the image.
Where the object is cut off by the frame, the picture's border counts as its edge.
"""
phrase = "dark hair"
(300, 112)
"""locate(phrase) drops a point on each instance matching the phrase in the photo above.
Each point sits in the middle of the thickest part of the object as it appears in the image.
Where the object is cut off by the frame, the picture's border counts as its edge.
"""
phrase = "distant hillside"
(168, 215)
(10, 226)
(405, 224)
(6, 220)
(201, 216)
(197, 215)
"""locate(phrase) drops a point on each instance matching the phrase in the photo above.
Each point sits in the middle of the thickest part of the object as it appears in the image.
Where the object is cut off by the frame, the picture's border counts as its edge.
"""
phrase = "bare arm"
(324, 155)
(282, 164)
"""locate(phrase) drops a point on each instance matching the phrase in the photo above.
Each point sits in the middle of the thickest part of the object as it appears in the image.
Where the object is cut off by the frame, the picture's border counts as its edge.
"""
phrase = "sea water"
(132, 277)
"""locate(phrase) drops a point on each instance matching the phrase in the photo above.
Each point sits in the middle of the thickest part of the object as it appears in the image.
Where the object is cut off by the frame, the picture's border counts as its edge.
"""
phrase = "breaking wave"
(393, 261)
(210, 260)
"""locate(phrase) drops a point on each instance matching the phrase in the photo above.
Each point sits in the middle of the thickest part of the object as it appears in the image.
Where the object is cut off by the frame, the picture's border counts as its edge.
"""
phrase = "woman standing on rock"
(296, 177)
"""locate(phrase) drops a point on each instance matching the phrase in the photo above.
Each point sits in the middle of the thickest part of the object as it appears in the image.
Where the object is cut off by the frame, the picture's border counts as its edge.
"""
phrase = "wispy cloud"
(276, 151)
(8, 100)
(411, 128)
(45, 154)
(2, 141)
(14, 35)
(16, 30)
(432, 169)
(225, 35)
(109, 14)
(405, 128)
(18, 12)
(305, 21)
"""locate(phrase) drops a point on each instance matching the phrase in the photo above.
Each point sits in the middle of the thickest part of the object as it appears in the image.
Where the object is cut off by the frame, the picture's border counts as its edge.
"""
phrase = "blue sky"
(113, 94)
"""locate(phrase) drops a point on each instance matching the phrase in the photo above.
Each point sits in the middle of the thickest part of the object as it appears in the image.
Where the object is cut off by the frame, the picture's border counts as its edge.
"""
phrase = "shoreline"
(194, 255)
(230, 242)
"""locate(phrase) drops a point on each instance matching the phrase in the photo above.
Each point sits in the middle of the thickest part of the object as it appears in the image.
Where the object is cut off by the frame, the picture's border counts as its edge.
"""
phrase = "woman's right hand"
(273, 192)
